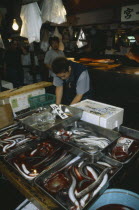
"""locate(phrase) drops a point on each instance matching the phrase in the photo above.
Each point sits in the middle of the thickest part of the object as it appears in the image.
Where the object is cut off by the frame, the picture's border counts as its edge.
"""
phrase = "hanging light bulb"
(15, 25)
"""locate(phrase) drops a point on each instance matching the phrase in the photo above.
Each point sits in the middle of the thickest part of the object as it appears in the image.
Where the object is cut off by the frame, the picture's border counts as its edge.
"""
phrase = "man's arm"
(82, 87)
(77, 99)
(59, 94)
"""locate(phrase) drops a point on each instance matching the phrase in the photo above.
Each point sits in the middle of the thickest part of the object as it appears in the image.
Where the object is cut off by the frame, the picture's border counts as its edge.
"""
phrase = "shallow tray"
(14, 125)
(85, 129)
(71, 172)
(129, 133)
(13, 137)
(36, 156)
(31, 123)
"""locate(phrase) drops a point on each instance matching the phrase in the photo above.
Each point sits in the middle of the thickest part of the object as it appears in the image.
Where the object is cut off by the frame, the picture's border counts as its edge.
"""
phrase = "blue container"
(117, 196)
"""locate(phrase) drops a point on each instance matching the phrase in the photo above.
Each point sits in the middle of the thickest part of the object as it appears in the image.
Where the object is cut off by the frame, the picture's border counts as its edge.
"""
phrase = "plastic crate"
(41, 100)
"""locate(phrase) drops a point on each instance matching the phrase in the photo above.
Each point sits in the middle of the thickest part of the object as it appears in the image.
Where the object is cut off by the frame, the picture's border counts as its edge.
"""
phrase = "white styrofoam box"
(6, 84)
(20, 102)
(101, 114)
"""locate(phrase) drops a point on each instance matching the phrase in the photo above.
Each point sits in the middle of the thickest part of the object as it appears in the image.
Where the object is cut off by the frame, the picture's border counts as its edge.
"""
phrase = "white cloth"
(31, 22)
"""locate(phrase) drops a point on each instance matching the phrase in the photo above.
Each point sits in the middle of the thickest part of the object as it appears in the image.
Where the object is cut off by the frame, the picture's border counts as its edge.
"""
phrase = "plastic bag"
(44, 40)
(80, 42)
(46, 10)
(53, 11)
(56, 33)
(31, 18)
(58, 14)
(1, 43)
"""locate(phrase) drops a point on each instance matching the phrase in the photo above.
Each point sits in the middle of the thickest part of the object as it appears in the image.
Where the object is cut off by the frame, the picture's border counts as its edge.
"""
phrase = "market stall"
(66, 157)
(50, 160)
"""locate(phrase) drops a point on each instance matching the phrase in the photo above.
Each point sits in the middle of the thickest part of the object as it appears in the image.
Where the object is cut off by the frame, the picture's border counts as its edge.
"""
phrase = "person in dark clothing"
(13, 65)
(72, 81)
(133, 54)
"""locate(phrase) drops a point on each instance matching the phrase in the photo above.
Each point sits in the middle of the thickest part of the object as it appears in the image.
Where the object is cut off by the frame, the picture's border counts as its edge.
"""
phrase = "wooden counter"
(24, 89)
(119, 69)
(38, 198)
(128, 70)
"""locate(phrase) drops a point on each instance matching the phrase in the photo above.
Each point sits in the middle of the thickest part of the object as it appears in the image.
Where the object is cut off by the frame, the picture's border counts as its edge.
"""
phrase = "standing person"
(133, 53)
(52, 54)
(13, 64)
(72, 81)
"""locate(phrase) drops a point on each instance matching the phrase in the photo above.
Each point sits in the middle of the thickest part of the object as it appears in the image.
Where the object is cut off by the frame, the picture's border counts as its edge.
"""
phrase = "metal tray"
(129, 133)
(9, 127)
(13, 137)
(36, 156)
(29, 112)
(71, 176)
(69, 132)
(31, 123)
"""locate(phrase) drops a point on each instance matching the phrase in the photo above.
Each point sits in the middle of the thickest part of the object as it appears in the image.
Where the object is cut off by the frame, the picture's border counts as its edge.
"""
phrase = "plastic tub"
(41, 100)
(117, 196)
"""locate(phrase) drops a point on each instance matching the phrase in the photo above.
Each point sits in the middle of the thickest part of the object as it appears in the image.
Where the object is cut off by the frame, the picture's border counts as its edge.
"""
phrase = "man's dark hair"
(60, 65)
(53, 39)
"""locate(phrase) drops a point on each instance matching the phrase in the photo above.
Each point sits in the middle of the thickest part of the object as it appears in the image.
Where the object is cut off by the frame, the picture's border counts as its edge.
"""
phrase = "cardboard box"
(20, 102)
(6, 115)
(101, 114)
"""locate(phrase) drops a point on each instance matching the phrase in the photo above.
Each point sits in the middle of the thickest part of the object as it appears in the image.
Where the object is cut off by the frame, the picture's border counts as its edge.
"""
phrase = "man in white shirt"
(50, 55)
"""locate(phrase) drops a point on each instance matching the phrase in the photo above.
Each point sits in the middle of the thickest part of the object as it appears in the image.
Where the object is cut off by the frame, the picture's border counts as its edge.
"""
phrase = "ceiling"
(81, 6)
(13, 8)
(72, 6)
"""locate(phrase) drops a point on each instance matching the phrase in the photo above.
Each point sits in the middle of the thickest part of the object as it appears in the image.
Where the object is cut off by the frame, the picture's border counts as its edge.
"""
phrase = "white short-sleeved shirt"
(83, 82)
(50, 57)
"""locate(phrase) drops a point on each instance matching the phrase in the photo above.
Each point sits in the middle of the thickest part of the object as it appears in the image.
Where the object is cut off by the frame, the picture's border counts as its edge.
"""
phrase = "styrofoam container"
(101, 114)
